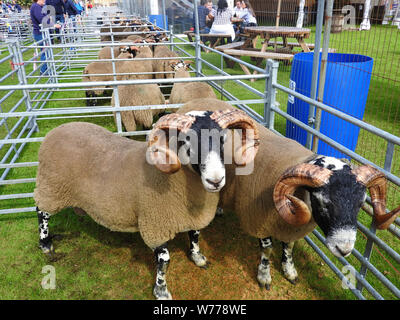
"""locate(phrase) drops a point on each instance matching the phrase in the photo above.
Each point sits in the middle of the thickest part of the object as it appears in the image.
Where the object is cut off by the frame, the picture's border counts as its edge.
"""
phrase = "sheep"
(105, 53)
(112, 29)
(105, 69)
(291, 190)
(187, 91)
(164, 67)
(132, 186)
(139, 95)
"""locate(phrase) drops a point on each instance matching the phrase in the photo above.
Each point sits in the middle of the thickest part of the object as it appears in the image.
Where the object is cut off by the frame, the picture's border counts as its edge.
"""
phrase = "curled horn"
(238, 119)
(293, 210)
(376, 183)
(159, 152)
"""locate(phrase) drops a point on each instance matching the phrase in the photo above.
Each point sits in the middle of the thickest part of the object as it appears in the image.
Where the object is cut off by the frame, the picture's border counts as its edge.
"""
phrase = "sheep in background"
(187, 91)
(126, 185)
(105, 53)
(291, 190)
(164, 67)
(103, 70)
(139, 95)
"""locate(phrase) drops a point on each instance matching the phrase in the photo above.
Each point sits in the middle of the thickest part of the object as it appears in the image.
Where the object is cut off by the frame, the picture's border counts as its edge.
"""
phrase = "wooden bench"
(291, 45)
(215, 39)
(258, 55)
(233, 45)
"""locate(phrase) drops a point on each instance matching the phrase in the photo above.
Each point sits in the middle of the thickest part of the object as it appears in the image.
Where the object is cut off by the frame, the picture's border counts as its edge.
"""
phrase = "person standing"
(71, 10)
(222, 20)
(37, 15)
(60, 12)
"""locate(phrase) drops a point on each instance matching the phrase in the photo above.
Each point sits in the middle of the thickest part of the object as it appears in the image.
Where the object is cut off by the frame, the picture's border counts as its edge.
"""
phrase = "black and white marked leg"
(160, 290)
(264, 275)
(45, 242)
(194, 253)
(287, 262)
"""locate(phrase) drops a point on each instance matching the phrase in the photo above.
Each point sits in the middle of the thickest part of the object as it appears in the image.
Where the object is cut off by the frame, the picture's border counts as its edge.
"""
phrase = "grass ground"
(95, 263)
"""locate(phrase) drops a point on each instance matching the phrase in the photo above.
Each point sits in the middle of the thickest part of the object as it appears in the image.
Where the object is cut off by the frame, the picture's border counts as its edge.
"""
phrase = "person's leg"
(39, 37)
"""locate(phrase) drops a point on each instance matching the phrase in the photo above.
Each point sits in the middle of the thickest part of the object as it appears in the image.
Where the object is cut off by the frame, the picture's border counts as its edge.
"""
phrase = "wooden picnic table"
(267, 33)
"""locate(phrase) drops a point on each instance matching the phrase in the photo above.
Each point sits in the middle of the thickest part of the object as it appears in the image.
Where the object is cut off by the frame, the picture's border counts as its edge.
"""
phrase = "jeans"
(39, 37)
(59, 18)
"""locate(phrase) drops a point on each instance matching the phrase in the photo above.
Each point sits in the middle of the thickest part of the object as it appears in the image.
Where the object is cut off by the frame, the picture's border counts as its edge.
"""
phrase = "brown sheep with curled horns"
(82, 165)
(291, 190)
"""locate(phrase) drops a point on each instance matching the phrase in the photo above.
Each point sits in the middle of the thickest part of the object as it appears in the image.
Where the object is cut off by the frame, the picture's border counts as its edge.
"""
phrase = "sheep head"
(197, 139)
(336, 195)
(181, 65)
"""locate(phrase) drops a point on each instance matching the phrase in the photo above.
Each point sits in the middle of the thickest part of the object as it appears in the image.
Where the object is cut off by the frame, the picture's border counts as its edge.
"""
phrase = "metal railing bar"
(333, 143)
(330, 264)
(127, 82)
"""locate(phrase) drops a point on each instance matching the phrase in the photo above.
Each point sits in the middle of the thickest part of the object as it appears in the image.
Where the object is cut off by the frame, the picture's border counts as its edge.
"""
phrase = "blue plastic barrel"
(158, 20)
(346, 89)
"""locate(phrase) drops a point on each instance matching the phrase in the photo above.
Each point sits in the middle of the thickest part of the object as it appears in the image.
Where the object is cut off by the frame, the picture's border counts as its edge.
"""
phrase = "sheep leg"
(45, 242)
(264, 276)
(160, 290)
(287, 262)
(194, 252)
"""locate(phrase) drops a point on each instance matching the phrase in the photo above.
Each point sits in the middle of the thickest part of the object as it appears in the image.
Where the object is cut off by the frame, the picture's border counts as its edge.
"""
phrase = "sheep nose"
(344, 251)
(215, 182)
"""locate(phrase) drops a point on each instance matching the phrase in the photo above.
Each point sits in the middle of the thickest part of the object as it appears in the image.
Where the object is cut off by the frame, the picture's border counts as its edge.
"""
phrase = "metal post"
(314, 78)
(324, 62)
(270, 92)
(164, 14)
(197, 40)
(115, 88)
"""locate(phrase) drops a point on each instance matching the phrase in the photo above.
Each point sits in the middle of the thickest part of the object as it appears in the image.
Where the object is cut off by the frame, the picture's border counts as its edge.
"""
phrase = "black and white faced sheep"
(183, 92)
(129, 186)
(291, 190)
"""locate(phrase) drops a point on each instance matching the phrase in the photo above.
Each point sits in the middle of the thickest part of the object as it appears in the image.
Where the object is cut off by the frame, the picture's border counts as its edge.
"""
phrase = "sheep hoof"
(161, 293)
(46, 248)
(206, 266)
(263, 286)
(219, 212)
(199, 260)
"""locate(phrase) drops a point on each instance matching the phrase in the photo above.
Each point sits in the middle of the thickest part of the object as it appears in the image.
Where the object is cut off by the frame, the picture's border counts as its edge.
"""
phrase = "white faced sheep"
(291, 190)
(128, 186)
(183, 92)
